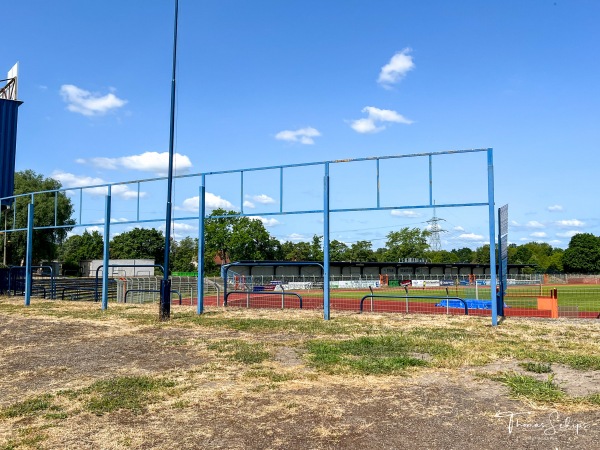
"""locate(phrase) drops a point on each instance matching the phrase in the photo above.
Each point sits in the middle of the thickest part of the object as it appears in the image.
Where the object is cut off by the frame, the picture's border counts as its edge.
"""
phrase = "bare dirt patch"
(221, 401)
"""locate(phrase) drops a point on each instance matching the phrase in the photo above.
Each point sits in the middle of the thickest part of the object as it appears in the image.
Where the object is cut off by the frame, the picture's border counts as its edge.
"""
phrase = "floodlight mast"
(165, 287)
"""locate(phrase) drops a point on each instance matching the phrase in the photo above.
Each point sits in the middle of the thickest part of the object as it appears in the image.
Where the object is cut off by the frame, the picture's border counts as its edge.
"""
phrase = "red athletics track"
(379, 305)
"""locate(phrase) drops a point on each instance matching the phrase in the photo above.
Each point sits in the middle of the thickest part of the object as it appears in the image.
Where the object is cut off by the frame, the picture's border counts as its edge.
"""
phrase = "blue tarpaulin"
(471, 304)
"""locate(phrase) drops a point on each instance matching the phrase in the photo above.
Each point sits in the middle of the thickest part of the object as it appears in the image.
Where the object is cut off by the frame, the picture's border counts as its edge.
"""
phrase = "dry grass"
(72, 376)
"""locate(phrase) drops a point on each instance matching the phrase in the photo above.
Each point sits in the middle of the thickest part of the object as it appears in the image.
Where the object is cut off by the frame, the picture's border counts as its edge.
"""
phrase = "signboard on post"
(503, 250)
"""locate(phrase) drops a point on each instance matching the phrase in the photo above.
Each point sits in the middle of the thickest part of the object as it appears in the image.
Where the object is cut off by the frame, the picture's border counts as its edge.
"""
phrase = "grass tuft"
(525, 386)
(130, 393)
(29, 406)
(536, 367)
(365, 355)
(241, 351)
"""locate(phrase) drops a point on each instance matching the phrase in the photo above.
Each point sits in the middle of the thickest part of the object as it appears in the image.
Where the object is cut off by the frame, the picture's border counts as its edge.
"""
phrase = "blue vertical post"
(326, 244)
(378, 185)
(201, 249)
(56, 208)
(137, 213)
(242, 191)
(105, 257)
(430, 180)
(281, 189)
(29, 251)
(492, 221)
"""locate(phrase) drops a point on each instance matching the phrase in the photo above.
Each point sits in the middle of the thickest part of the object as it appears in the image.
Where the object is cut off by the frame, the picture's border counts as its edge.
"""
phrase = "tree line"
(242, 238)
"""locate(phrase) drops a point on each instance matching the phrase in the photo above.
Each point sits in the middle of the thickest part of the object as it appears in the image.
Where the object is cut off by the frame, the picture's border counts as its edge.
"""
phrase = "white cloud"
(303, 135)
(570, 223)
(555, 208)
(266, 222)
(366, 126)
(400, 64)
(555, 242)
(179, 230)
(514, 223)
(89, 104)
(376, 116)
(568, 234)
(146, 162)
(212, 202)
(538, 234)
(458, 228)
(69, 180)
(249, 204)
(534, 224)
(295, 237)
(404, 213)
(471, 236)
(178, 226)
(262, 199)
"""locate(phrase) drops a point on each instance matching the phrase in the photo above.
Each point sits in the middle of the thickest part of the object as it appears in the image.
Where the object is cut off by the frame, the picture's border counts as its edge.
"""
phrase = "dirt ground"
(220, 404)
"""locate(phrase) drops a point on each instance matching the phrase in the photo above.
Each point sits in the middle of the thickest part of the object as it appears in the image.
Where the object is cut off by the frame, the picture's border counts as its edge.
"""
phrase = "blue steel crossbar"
(404, 297)
(377, 159)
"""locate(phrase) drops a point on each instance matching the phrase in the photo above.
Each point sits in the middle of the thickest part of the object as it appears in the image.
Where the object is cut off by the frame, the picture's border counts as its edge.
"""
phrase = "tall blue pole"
(106, 254)
(201, 248)
(165, 289)
(326, 244)
(28, 256)
(492, 221)
(430, 181)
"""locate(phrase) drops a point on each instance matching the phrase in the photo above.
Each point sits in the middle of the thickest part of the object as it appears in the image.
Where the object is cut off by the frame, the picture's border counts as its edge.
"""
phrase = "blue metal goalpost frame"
(326, 211)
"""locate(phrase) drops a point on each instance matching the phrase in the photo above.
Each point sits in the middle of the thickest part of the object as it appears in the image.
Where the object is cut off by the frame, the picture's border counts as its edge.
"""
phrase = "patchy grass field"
(72, 376)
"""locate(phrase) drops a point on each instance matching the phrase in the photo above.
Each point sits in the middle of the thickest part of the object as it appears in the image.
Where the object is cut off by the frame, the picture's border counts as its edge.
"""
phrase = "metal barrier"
(406, 297)
(122, 265)
(186, 285)
(248, 293)
(151, 290)
(78, 290)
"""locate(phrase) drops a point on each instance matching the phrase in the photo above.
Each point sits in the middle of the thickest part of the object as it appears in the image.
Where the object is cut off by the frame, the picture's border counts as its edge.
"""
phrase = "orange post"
(549, 303)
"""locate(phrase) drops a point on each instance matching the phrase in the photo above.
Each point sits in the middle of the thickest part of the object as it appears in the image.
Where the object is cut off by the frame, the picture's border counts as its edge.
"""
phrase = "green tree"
(361, 251)
(299, 251)
(582, 255)
(482, 254)
(555, 264)
(338, 251)
(250, 240)
(49, 209)
(463, 255)
(79, 247)
(406, 243)
(380, 254)
(184, 255)
(316, 248)
(139, 243)
(442, 256)
(217, 232)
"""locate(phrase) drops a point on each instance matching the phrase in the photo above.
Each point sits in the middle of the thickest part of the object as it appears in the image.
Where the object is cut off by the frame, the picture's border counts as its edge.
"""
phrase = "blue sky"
(268, 83)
